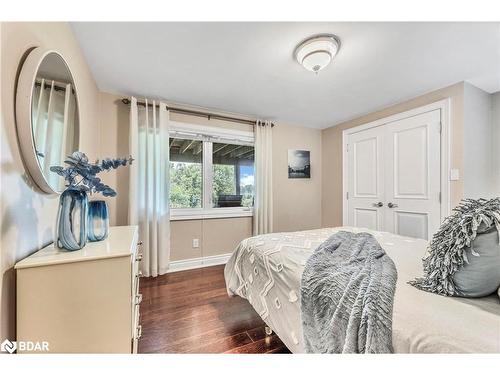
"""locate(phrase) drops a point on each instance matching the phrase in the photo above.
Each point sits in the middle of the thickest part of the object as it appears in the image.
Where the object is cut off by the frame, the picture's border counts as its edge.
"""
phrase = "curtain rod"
(208, 115)
(58, 86)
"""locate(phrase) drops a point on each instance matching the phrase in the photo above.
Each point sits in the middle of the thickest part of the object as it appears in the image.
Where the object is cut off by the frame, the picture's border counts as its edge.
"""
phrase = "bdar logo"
(8, 346)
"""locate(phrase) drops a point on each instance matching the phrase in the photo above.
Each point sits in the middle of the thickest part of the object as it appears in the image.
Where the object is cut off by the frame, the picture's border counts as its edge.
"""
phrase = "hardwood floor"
(190, 312)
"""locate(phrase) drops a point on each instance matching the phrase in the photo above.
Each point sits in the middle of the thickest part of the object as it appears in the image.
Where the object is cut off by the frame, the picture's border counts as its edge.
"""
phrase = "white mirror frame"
(24, 98)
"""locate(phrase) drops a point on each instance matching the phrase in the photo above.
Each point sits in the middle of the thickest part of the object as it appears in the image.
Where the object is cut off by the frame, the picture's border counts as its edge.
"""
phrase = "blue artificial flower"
(79, 166)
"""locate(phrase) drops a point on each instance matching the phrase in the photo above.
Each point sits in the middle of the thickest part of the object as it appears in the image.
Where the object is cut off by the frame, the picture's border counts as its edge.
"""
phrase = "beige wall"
(216, 236)
(113, 127)
(332, 148)
(478, 173)
(297, 202)
(27, 216)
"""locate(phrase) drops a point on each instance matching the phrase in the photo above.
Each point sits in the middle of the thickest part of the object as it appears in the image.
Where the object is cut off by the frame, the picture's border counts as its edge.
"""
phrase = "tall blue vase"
(98, 221)
(71, 225)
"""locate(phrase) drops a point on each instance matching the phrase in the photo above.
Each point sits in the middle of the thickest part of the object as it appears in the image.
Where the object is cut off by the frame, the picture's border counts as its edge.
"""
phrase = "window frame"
(209, 135)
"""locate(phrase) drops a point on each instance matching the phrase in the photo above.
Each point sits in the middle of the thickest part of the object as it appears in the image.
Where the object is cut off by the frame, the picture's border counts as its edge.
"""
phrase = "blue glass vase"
(71, 225)
(98, 221)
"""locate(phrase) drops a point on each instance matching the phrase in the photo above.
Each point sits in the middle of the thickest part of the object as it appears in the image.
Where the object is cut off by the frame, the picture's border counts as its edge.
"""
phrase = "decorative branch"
(80, 168)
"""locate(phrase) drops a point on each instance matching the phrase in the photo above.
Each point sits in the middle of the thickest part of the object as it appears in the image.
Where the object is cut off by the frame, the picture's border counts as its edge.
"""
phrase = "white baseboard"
(189, 264)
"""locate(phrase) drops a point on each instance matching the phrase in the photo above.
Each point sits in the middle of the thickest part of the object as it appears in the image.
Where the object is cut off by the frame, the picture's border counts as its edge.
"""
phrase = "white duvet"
(266, 270)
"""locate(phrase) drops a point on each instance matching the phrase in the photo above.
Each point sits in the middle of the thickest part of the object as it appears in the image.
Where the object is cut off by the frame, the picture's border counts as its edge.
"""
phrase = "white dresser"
(84, 301)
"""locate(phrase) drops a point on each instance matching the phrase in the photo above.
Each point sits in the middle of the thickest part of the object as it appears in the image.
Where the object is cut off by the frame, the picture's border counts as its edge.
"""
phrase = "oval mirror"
(47, 116)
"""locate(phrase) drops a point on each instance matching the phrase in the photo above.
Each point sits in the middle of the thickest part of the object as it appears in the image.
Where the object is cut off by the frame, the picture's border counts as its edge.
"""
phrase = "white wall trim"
(443, 105)
(189, 264)
(214, 213)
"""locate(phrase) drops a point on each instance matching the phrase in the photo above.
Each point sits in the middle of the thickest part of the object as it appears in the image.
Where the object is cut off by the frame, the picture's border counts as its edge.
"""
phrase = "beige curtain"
(263, 210)
(149, 183)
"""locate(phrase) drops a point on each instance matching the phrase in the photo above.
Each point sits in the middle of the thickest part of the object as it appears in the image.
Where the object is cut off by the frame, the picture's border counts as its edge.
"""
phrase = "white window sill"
(215, 213)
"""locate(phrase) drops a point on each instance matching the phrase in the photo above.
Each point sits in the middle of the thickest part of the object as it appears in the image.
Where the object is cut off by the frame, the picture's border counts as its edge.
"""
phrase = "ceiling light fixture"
(316, 52)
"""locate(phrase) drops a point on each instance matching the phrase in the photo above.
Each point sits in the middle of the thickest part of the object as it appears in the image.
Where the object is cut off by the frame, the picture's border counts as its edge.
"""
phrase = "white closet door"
(412, 175)
(366, 179)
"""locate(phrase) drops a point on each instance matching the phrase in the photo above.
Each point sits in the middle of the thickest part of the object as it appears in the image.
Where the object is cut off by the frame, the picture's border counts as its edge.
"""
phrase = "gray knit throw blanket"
(447, 249)
(347, 292)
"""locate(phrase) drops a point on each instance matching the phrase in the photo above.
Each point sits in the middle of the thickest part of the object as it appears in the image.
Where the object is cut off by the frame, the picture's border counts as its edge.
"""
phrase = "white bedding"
(267, 270)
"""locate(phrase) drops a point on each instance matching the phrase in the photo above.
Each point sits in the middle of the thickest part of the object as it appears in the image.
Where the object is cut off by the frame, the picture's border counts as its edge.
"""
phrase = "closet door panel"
(412, 179)
(365, 179)
(365, 153)
(410, 155)
(411, 224)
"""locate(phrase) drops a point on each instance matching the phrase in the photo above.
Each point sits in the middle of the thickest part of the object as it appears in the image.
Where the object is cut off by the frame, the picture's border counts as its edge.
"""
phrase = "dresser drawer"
(136, 296)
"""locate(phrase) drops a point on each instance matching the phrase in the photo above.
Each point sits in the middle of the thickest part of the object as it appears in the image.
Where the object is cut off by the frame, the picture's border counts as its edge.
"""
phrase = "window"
(186, 185)
(211, 172)
(233, 175)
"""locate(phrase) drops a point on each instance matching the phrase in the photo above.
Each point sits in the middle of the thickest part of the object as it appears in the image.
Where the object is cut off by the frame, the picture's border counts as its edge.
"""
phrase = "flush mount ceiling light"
(316, 52)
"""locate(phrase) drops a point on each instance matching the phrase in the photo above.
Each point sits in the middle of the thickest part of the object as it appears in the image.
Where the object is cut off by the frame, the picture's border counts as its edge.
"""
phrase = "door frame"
(444, 106)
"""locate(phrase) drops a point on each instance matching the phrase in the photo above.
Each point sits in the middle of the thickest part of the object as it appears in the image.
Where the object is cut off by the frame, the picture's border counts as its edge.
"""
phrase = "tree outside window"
(186, 171)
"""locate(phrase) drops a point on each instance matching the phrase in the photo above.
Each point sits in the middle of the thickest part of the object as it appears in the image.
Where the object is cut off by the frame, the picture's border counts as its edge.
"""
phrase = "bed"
(266, 270)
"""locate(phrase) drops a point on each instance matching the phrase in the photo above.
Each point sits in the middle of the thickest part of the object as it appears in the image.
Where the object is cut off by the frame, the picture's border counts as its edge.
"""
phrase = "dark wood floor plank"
(195, 311)
(267, 344)
(179, 290)
(203, 312)
(177, 303)
(203, 323)
(176, 277)
(257, 333)
(168, 309)
(224, 344)
(234, 324)
(190, 312)
(279, 350)
(186, 343)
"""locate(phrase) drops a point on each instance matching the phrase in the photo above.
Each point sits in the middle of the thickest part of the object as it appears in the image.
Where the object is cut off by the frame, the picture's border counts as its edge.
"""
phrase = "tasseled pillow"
(464, 255)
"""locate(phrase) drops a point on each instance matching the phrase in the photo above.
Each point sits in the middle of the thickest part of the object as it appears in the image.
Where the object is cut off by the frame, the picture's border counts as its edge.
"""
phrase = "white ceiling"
(248, 68)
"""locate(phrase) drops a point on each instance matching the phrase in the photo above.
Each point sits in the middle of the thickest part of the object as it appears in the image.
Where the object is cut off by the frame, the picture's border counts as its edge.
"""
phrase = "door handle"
(391, 205)
(379, 204)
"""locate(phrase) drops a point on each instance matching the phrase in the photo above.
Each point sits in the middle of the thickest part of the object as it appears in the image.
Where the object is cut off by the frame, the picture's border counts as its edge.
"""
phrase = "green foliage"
(186, 181)
(223, 180)
(248, 192)
(185, 185)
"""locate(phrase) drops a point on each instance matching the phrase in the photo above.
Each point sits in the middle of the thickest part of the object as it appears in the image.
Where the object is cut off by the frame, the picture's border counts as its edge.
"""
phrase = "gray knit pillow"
(481, 275)
(464, 254)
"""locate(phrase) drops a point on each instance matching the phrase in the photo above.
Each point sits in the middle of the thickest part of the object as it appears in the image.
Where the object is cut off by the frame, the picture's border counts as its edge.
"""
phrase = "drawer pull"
(139, 331)
(138, 299)
(139, 274)
(139, 243)
(139, 257)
